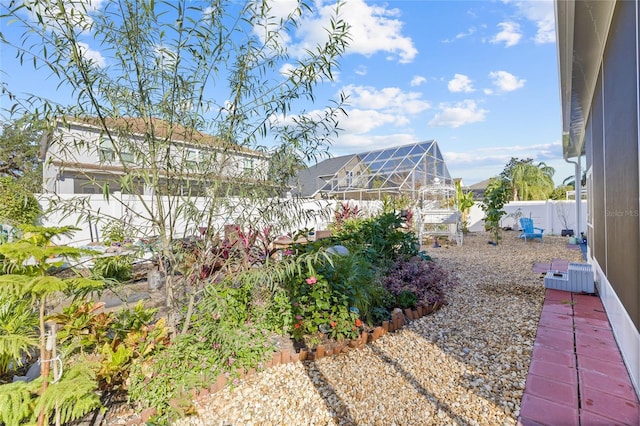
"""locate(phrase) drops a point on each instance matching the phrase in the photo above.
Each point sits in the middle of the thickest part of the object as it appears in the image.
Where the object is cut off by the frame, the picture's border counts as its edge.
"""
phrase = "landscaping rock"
(464, 364)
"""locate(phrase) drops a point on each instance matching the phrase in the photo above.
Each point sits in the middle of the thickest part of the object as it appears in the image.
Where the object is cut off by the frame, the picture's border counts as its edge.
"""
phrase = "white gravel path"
(465, 364)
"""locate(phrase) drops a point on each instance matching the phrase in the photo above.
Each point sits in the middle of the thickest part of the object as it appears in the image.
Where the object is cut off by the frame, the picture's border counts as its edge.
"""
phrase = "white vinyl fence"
(549, 215)
(552, 216)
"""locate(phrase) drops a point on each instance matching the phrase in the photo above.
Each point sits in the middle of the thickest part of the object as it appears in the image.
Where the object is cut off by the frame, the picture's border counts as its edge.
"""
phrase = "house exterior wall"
(607, 109)
(73, 159)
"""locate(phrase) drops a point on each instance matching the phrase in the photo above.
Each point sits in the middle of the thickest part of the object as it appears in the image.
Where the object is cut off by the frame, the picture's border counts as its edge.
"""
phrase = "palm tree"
(571, 180)
(529, 181)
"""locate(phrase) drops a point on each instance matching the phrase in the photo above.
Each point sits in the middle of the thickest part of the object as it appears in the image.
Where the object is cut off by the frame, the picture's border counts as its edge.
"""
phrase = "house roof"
(479, 189)
(161, 130)
(309, 182)
(480, 185)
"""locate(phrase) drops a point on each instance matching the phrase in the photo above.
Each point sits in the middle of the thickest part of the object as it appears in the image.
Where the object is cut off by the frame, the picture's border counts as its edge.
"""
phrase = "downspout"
(578, 189)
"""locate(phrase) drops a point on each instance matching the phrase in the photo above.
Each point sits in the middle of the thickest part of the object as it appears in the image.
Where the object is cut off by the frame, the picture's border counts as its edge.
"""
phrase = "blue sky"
(480, 77)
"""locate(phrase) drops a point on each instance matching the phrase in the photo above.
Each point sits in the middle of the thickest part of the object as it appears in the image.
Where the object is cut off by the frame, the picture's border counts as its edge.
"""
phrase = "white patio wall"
(104, 211)
(549, 215)
(545, 214)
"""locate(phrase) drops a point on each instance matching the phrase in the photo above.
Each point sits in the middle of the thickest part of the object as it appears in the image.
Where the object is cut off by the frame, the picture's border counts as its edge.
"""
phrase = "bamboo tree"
(175, 72)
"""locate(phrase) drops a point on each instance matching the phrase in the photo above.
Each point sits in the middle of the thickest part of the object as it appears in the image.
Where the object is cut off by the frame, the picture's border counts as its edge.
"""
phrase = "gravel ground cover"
(465, 364)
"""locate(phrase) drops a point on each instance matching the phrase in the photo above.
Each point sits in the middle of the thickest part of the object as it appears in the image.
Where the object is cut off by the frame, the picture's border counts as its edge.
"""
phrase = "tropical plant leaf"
(48, 285)
(13, 347)
(16, 400)
(74, 395)
(16, 286)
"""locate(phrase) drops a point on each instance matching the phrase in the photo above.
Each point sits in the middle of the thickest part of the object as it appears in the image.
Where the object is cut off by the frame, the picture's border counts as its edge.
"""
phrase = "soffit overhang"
(581, 31)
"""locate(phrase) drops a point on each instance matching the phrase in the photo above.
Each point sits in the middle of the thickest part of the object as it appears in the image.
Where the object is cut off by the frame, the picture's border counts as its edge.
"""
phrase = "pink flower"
(311, 280)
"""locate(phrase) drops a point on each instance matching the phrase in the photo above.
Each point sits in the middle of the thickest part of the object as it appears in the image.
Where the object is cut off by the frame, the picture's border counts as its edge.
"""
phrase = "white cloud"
(506, 82)
(361, 121)
(418, 80)
(388, 99)
(286, 69)
(373, 28)
(542, 15)
(475, 165)
(461, 35)
(361, 70)
(510, 34)
(460, 83)
(458, 114)
(355, 143)
(502, 154)
(93, 55)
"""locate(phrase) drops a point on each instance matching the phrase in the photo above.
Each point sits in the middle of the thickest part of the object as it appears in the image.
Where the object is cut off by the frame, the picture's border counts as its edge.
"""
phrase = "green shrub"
(406, 299)
(381, 239)
(19, 206)
(114, 232)
(117, 267)
(224, 338)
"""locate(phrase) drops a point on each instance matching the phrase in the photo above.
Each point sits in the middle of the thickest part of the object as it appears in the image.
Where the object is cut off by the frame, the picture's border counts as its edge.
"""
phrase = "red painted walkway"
(576, 376)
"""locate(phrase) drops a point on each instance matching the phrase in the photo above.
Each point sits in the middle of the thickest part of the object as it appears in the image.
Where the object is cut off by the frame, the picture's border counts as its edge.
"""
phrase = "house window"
(349, 178)
(127, 157)
(106, 152)
(248, 165)
(192, 157)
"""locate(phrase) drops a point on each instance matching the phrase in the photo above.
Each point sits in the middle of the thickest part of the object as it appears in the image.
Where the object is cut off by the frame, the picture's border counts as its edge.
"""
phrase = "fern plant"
(18, 331)
(28, 262)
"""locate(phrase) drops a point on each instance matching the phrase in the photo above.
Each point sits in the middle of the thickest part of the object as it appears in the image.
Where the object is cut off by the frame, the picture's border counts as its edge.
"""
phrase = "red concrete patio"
(577, 375)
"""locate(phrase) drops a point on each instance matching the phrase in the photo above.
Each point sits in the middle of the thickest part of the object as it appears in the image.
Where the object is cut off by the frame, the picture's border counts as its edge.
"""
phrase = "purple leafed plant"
(426, 279)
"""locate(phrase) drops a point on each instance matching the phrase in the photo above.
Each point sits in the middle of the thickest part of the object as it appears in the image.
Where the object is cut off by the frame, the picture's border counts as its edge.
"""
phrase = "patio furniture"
(528, 230)
(440, 223)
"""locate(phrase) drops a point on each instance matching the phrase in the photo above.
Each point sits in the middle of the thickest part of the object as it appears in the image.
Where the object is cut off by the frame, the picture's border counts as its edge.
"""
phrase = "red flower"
(297, 325)
(333, 324)
(311, 280)
(358, 323)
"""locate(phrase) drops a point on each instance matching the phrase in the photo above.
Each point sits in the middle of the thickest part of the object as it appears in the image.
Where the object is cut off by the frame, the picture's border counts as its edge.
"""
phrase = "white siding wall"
(59, 182)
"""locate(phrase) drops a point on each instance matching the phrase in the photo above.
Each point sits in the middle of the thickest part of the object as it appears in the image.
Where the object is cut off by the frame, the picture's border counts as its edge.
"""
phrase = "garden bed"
(465, 364)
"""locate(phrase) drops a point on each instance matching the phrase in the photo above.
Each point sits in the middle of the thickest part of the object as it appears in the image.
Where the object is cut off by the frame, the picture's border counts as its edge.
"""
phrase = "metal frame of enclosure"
(402, 170)
(417, 171)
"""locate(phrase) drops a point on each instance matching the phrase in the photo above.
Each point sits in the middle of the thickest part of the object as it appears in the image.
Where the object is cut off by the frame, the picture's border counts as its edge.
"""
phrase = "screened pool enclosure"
(417, 171)
(406, 170)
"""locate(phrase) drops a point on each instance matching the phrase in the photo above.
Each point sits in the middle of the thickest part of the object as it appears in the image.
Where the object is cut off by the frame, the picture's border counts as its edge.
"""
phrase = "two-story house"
(127, 155)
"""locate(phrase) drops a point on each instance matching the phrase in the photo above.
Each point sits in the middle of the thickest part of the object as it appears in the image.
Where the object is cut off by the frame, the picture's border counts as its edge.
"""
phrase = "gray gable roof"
(309, 181)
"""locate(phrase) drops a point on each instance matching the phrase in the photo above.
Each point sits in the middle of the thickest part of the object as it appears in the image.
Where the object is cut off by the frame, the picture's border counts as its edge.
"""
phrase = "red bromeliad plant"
(239, 251)
(345, 212)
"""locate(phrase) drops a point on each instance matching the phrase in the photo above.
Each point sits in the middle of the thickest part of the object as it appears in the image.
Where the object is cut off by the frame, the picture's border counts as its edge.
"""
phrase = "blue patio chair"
(528, 230)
